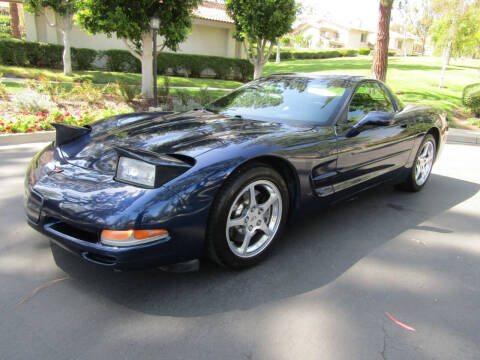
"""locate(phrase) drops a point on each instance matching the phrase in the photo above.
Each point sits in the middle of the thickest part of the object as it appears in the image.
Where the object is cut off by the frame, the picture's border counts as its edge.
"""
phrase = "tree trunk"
(258, 69)
(14, 21)
(67, 58)
(147, 68)
(424, 40)
(446, 61)
(277, 60)
(380, 62)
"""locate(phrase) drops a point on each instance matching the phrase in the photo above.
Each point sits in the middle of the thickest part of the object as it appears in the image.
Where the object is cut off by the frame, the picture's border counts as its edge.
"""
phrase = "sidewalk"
(460, 136)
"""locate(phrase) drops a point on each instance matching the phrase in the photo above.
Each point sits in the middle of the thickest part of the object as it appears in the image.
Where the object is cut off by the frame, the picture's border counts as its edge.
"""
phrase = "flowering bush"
(27, 121)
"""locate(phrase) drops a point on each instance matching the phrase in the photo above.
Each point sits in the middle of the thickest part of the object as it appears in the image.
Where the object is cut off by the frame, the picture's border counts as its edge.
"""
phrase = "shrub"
(25, 53)
(35, 54)
(348, 52)
(124, 91)
(194, 65)
(86, 91)
(3, 89)
(45, 86)
(313, 54)
(392, 53)
(204, 96)
(33, 101)
(83, 58)
(471, 98)
(122, 61)
(364, 51)
(183, 96)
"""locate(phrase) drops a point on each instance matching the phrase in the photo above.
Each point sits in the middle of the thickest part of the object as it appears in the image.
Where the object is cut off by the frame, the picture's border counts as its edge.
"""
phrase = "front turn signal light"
(122, 238)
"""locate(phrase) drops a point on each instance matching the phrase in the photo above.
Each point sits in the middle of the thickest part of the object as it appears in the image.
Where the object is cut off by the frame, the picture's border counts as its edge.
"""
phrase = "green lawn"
(17, 86)
(414, 79)
(103, 77)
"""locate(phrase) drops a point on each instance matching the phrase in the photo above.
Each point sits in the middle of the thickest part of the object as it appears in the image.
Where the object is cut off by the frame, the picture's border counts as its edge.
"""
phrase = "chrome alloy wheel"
(254, 218)
(424, 163)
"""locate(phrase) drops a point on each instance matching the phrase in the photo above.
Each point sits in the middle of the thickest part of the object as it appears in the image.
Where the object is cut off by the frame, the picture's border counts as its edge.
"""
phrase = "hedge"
(364, 51)
(314, 54)
(471, 97)
(35, 54)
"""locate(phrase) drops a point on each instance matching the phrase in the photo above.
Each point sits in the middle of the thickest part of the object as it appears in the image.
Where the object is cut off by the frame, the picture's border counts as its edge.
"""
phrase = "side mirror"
(376, 118)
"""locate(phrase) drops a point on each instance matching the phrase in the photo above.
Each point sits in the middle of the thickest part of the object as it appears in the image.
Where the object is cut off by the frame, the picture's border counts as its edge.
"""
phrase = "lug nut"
(250, 228)
(258, 223)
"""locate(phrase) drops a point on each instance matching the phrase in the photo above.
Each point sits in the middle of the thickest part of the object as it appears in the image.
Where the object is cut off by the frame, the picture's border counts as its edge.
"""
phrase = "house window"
(337, 35)
(399, 44)
(363, 38)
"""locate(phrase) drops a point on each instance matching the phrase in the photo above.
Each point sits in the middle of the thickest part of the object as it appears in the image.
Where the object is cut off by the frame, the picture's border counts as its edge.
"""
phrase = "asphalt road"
(323, 294)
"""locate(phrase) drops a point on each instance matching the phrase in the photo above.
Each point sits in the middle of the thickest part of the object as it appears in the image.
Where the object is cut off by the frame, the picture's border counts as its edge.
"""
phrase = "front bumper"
(119, 258)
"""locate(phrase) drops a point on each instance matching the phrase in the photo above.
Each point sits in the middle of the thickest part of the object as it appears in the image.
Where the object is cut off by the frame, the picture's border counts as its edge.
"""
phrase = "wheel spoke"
(245, 243)
(236, 222)
(266, 230)
(252, 196)
(266, 205)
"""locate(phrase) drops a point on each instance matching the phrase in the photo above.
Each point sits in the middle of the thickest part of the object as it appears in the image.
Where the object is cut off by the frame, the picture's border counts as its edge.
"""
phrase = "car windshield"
(284, 98)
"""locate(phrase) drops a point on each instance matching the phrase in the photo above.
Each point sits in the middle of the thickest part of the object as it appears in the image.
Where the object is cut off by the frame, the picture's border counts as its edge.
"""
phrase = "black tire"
(218, 248)
(410, 184)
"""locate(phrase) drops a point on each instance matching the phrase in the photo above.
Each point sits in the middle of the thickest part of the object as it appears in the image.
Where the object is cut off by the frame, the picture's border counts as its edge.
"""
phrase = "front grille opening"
(75, 232)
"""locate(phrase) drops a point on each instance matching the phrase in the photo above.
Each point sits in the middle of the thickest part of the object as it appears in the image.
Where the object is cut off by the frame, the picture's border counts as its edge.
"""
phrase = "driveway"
(323, 294)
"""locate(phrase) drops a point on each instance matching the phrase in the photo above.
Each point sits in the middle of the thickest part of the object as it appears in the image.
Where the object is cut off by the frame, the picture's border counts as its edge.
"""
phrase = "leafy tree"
(380, 61)
(258, 24)
(456, 28)
(129, 20)
(423, 21)
(64, 11)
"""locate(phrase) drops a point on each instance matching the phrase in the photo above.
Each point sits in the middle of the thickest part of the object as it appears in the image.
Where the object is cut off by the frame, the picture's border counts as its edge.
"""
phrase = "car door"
(372, 152)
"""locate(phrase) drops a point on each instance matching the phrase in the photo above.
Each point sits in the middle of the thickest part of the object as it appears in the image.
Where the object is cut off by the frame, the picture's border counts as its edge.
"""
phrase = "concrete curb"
(459, 136)
(36, 137)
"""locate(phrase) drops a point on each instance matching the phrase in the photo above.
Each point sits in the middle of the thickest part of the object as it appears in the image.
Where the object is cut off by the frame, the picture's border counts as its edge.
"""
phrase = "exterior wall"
(206, 38)
(324, 37)
(355, 39)
(394, 42)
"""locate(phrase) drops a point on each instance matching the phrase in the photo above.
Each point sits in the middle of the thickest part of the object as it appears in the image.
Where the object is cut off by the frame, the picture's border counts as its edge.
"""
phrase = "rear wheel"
(248, 215)
(421, 169)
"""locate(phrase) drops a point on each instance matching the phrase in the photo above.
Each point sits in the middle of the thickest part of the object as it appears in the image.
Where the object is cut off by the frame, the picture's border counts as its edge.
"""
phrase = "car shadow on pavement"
(312, 253)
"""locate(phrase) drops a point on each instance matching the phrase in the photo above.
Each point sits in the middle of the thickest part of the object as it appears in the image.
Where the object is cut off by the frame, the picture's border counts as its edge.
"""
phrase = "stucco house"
(329, 35)
(211, 33)
(397, 43)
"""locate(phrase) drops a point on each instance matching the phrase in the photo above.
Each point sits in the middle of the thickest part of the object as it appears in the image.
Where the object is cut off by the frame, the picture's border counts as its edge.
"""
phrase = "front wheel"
(247, 216)
(420, 172)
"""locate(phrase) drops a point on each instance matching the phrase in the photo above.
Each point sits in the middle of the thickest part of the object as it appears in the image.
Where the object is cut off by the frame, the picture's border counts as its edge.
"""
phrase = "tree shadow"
(312, 253)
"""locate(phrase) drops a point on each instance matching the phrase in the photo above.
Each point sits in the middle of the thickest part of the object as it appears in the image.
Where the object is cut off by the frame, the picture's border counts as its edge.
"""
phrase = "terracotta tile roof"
(210, 10)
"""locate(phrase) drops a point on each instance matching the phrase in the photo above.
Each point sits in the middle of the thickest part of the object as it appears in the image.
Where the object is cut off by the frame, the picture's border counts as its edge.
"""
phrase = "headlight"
(135, 172)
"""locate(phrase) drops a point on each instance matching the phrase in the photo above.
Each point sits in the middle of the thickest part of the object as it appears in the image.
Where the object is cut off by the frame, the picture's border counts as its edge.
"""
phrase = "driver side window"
(368, 97)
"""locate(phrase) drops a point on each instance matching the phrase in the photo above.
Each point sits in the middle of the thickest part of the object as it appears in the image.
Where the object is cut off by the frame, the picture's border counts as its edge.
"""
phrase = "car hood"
(185, 135)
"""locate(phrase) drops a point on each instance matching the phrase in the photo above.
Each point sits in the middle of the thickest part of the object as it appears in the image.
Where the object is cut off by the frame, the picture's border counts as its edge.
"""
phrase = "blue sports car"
(151, 189)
